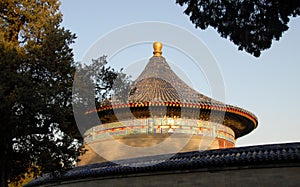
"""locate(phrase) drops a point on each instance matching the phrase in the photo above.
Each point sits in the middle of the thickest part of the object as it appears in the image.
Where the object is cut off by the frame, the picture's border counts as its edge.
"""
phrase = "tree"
(38, 130)
(252, 25)
(108, 82)
(95, 85)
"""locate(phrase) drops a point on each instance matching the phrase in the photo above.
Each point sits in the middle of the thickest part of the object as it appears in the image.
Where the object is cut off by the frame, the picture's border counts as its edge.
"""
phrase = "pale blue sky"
(268, 86)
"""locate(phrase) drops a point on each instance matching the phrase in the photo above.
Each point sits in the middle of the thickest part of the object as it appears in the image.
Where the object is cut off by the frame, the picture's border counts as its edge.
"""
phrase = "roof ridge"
(250, 156)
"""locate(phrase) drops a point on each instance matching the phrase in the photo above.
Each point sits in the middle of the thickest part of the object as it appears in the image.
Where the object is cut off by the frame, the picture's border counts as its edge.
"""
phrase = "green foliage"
(249, 24)
(107, 81)
(94, 85)
(38, 132)
(38, 129)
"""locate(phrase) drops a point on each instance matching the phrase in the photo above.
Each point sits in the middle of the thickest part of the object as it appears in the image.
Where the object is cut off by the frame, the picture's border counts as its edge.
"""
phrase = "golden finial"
(157, 48)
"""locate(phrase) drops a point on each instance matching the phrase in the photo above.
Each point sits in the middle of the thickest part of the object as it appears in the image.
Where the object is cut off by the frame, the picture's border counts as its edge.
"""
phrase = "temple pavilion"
(164, 114)
(164, 133)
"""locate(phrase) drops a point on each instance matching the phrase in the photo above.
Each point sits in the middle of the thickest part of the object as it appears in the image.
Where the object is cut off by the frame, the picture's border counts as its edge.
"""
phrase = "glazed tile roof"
(159, 83)
(253, 156)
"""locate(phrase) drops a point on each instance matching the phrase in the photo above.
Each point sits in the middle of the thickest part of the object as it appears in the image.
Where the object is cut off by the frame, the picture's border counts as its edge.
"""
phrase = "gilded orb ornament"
(157, 46)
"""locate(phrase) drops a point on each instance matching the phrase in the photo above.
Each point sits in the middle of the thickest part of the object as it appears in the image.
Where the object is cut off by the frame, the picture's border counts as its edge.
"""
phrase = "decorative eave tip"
(157, 46)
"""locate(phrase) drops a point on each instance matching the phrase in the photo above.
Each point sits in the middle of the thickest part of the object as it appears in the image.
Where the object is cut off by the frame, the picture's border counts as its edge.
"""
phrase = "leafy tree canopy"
(38, 131)
(250, 24)
(36, 71)
(96, 85)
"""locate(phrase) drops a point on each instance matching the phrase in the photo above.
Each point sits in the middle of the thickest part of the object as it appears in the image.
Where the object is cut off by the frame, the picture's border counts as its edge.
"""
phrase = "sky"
(268, 86)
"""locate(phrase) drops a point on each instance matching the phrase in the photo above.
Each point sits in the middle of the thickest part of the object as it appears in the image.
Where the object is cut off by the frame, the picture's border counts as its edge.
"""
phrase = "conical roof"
(158, 86)
(158, 82)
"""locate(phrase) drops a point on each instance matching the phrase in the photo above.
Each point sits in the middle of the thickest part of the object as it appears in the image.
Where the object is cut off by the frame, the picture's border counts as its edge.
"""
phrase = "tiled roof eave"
(217, 107)
(261, 156)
